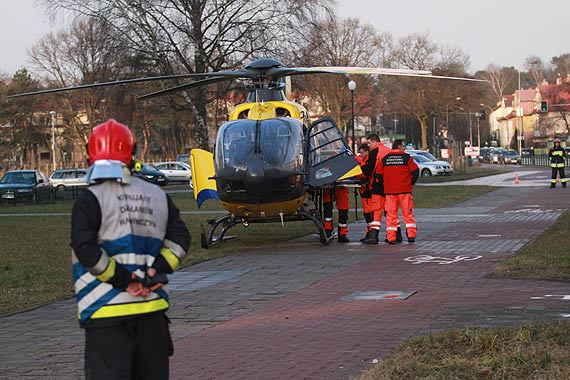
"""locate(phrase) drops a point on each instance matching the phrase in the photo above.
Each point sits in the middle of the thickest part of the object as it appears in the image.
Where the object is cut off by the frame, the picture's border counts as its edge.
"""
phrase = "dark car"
(25, 186)
(150, 174)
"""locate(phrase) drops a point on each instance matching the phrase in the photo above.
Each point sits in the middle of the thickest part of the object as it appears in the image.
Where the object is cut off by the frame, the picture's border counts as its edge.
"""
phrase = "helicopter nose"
(255, 174)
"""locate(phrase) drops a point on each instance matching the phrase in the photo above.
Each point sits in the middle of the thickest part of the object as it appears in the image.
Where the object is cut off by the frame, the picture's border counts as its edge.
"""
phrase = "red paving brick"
(312, 334)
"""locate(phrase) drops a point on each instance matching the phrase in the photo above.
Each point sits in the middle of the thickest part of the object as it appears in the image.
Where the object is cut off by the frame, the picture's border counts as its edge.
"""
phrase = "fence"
(539, 160)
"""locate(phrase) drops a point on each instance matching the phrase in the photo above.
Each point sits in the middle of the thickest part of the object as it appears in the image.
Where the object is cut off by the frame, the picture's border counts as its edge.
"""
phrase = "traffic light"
(482, 115)
(543, 106)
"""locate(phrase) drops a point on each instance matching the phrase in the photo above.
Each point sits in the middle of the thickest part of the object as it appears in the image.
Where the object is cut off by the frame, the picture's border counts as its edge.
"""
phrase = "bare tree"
(344, 42)
(199, 36)
(422, 97)
(500, 79)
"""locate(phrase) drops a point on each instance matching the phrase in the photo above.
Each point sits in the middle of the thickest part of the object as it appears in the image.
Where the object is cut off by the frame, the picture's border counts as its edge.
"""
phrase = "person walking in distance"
(126, 235)
(399, 173)
(557, 156)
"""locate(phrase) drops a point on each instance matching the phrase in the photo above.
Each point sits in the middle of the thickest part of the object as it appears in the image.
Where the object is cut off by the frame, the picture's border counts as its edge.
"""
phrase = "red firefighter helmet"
(111, 140)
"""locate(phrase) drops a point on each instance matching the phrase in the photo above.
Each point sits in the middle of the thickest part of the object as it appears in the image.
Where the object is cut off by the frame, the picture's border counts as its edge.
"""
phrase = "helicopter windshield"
(278, 141)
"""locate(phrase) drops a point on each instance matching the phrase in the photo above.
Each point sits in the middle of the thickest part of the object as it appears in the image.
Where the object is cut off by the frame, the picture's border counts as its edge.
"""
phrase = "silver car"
(66, 178)
(175, 171)
(429, 168)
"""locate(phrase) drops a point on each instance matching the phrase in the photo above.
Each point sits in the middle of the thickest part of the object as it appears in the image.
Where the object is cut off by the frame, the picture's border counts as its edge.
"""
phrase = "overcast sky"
(503, 32)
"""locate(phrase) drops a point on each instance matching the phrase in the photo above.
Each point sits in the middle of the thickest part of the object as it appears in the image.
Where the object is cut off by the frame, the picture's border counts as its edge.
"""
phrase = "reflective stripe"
(392, 228)
(563, 180)
(175, 248)
(102, 264)
(410, 225)
(131, 308)
(170, 258)
(553, 181)
(134, 259)
(124, 298)
(93, 296)
(560, 165)
(108, 273)
(376, 224)
(328, 219)
(342, 225)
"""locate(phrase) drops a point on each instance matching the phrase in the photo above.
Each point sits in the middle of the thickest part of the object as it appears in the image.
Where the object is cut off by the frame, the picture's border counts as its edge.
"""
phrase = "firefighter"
(557, 156)
(126, 235)
(340, 195)
(370, 170)
(399, 173)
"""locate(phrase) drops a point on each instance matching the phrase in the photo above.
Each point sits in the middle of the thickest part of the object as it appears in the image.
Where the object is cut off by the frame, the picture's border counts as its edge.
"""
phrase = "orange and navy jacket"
(372, 167)
(399, 172)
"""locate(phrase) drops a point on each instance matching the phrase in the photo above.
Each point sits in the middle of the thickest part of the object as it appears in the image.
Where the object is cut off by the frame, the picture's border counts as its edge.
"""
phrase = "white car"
(429, 168)
(66, 178)
(175, 171)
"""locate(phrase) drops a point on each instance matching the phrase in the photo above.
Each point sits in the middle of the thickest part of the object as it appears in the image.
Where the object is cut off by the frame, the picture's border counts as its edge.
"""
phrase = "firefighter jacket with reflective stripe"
(557, 157)
(118, 230)
(399, 172)
(372, 166)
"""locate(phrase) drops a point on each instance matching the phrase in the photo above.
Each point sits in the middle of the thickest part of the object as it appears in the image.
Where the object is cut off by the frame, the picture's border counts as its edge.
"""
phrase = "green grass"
(35, 255)
(546, 258)
(528, 352)
(470, 173)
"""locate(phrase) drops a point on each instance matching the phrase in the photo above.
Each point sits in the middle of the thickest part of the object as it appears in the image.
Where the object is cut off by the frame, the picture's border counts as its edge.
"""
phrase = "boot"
(564, 184)
(399, 238)
(372, 237)
(342, 239)
(552, 185)
(365, 236)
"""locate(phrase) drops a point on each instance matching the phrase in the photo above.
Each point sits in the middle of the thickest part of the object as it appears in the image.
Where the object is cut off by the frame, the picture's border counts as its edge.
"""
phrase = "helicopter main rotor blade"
(185, 86)
(284, 71)
(229, 74)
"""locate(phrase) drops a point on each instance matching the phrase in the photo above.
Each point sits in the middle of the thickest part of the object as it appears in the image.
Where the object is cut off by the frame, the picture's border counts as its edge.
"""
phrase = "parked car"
(25, 186)
(429, 168)
(152, 175)
(511, 156)
(419, 152)
(484, 155)
(497, 156)
(64, 178)
(175, 171)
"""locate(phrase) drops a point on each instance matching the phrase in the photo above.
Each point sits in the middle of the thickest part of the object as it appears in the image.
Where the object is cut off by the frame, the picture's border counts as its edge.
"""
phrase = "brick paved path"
(281, 312)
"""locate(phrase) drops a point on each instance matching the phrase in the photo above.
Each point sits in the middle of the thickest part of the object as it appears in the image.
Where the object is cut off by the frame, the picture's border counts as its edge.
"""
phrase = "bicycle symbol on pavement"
(422, 259)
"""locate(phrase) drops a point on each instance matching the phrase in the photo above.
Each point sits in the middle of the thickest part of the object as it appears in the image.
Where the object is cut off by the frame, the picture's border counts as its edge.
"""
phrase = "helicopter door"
(329, 157)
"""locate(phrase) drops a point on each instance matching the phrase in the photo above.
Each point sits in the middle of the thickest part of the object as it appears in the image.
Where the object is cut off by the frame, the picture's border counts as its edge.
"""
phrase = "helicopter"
(270, 164)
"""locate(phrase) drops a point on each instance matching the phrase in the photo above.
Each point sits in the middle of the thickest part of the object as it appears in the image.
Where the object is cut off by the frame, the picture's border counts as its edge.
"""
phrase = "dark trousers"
(556, 171)
(135, 349)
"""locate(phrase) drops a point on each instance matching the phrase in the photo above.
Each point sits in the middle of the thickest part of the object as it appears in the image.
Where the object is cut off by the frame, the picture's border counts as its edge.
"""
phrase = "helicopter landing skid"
(228, 221)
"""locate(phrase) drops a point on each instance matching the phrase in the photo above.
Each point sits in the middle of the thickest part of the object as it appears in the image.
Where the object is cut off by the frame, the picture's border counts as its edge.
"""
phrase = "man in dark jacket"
(126, 235)
(557, 156)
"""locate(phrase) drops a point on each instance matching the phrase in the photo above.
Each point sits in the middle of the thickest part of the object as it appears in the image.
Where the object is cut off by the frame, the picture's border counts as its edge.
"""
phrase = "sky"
(502, 32)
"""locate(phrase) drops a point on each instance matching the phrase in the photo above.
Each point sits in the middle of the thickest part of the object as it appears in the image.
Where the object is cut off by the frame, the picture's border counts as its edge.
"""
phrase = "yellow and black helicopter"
(269, 162)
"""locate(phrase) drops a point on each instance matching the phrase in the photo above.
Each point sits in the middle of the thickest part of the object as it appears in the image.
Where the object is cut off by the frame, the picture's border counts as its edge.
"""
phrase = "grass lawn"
(470, 173)
(35, 254)
(528, 352)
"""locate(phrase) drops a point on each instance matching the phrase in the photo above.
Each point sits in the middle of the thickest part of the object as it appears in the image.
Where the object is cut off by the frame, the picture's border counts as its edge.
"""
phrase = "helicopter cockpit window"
(326, 142)
(281, 142)
(235, 141)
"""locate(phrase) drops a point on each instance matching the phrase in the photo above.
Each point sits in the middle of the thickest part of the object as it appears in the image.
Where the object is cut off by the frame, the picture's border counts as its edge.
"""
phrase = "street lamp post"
(352, 87)
(53, 113)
